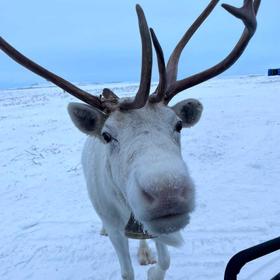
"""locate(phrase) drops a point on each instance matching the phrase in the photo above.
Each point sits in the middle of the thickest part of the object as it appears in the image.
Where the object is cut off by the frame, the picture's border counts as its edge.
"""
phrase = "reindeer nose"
(165, 197)
(166, 201)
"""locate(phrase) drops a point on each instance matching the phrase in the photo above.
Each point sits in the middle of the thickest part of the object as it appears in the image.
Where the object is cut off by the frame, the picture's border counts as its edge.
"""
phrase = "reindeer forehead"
(152, 115)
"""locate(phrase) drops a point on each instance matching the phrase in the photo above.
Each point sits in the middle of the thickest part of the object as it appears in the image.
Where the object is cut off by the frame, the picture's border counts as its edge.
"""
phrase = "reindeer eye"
(107, 137)
(179, 126)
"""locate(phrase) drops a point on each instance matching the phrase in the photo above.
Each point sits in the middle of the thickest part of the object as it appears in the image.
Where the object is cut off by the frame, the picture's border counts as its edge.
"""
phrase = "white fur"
(145, 255)
(143, 172)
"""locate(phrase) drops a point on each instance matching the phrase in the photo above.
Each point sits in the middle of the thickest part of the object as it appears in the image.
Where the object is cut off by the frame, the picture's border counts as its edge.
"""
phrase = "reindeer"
(132, 158)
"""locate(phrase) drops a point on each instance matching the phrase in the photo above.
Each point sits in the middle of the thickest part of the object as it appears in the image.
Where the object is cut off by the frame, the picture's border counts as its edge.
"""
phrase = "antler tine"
(256, 6)
(247, 13)
(146, 72)
(158, 95)
(172, 65)
(41, 71)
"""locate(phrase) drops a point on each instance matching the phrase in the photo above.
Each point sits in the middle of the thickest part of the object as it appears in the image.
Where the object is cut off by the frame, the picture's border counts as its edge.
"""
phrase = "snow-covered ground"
(49, 229)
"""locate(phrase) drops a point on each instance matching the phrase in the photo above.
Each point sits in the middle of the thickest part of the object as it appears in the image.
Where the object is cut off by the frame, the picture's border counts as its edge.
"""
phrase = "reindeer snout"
(163, 203)
(166, 200)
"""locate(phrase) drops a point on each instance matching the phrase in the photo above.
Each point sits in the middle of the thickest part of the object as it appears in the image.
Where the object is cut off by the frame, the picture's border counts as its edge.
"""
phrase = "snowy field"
(49, 229)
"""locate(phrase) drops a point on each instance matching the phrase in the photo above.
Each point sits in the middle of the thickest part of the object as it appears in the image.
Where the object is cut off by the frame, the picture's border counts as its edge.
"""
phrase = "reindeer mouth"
(168, 223)
(152, 228)
(168, 216)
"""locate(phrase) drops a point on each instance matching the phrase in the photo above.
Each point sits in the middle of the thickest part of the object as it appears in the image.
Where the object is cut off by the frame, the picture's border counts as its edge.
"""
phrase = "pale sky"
(91, 41)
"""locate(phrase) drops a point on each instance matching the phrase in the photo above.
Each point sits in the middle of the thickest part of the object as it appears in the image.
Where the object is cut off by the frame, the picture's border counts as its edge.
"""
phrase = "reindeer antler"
(161, 88)
(147, 61)
(102, 103)
(41, 71)
(168, 85)
(247, 13)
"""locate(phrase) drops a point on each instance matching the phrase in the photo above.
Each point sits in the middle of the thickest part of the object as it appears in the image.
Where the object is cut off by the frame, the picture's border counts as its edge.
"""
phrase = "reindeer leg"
(103, 231)
(144, 254)
(120, 243)
(158, 271)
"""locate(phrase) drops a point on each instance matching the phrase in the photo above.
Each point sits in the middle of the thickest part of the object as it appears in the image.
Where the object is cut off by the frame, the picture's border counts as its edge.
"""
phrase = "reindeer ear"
(86, 118)
(189, 111)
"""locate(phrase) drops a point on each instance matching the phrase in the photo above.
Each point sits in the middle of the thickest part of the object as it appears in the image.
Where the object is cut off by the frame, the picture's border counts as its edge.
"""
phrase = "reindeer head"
(144, 158)
(142, 134)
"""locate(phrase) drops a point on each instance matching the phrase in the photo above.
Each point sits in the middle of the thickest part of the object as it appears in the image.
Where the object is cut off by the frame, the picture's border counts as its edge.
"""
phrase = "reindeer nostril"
(148, 197)
(184, 192)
